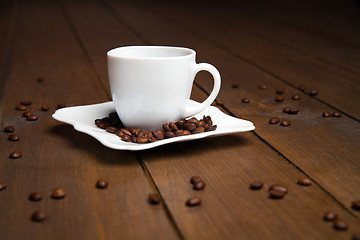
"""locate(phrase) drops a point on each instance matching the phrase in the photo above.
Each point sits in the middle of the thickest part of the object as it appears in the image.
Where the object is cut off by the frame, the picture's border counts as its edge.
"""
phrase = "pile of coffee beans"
(112, 124)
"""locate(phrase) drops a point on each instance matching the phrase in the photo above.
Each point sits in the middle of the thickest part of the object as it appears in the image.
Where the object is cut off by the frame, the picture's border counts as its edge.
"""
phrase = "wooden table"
(54, 52)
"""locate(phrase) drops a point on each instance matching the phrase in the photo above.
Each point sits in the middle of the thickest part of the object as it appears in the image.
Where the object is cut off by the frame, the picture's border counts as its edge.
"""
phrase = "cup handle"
(189, 111)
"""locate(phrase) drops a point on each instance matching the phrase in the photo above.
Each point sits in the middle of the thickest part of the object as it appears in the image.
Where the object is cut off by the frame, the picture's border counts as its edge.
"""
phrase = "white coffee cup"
(151, 85)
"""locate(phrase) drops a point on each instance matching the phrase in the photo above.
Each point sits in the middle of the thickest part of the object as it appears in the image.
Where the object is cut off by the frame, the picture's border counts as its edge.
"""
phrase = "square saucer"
(83, 117)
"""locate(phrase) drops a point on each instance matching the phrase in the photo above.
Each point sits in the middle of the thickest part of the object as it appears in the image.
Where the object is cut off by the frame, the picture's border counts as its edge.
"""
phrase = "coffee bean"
(198, 130)
(286, 110)
(340, 224)
(189, 126)
(58, 193)
(302, 88)
(313, 92)
(242, 117)
(356, 205)
(166, 127)
(279, 91)
(336, 114)
(296, 97)
(3, 185)
(14, 155)
(279, 98)
(202, 123)
(211, 128)
(262, 86)
(61, 105)
(220, 102)
(26, 114)
(278, 188)
(26, 102)
(235, 85)
(199, 185)
(35, 196)
(125, 138)
(111, 129)
(125, 131)
(133, 139)
(20, 107)
(32, 118)
(40, 79)
(304, 181)
(274, 120)
(285, 123)
(179, 133)
(9, 129)
(245, 100)
(158, 134)
(154, 198)
(326, 114)
(187, 132)
(276, 194)
(45, 108)
(13, 137)
(293, 111)
(355, 237)
(193, 201)
(193, 120)
(102, 183)
(169, 134)
(38, 216)
(195, 179)
(173, 127)
(256, 185)
(180, 123)
(142, 139)
(330, 216)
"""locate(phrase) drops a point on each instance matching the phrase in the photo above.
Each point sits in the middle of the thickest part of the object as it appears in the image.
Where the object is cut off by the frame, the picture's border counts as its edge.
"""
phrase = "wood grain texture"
(300, 143)
(55, 155)
(284, 64)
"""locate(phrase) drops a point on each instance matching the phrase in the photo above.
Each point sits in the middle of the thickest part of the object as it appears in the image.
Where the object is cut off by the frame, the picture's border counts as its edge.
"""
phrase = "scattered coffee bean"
(242, 117)
(14, 155)
(263, 86)
(32, 118)
(61, 105)
(302, 88)
(193, 201)
(279, 91)
(13, 137)
(256, 185)
(278, 188)
(20, 107)
(26, 114)
(286, 110)
(40, 79)
(296, 97)
(58, 193)
(326, 114)
(340, 224)
(304, 182)
(274, 120)
(285, 123)
(220, 103)
(102, 183)
(9, 129)
(195, 179)
(235, 85)
(199, 185)
(38, 216)
(245, 100)
(330, 216)
(355, 237)
(293, 111)
(313, 92)
(35, 196)
(336, 114)
(356, 205)
(45, 108)
(279, 98)
(276, 194)
(26, 102)
(3, 185)
(154, 198)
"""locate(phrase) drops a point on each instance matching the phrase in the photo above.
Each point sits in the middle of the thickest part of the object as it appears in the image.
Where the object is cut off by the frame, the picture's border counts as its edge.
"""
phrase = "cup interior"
(150, 52)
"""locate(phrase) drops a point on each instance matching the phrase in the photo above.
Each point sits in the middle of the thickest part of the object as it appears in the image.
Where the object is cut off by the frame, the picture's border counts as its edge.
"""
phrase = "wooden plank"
(282, 63)
(339, 54)
(229, 163)
(55, 155)
(321, 147)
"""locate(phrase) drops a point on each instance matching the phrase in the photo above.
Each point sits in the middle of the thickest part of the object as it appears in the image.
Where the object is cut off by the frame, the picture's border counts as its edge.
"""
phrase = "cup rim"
(114, 52)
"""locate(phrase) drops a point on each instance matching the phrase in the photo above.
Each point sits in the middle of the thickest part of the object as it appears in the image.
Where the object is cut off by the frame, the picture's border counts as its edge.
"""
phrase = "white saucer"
(83, 117)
